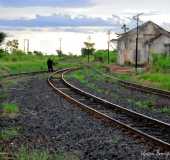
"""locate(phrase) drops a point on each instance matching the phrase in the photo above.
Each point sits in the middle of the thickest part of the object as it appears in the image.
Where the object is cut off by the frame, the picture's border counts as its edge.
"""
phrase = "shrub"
(38, 53)
(2, 53)
(10, 108)
(18, 52)
(102, 56)
(161, 62)
(85, 51)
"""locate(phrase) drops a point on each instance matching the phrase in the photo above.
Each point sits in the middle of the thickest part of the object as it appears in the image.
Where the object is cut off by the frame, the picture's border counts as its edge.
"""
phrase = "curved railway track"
(145, 89)
(139, 87)
(151, 131)
(23, 73)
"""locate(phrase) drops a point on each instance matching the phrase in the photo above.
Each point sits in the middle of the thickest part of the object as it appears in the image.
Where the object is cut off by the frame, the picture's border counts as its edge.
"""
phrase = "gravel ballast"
(47, 121)
(128, 98)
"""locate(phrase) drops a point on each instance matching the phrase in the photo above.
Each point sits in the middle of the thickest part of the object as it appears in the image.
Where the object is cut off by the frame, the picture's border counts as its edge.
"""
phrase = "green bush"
(161, 62)
(102, 56)
(3, 53)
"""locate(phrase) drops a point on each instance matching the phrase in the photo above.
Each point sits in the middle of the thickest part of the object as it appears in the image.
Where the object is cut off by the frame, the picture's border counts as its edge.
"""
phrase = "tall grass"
(161, 63)
(156, 79)
(159, 74)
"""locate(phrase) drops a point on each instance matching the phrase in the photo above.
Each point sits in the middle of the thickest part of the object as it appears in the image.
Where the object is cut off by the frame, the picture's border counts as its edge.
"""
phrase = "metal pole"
(109, 32)
(26, 42)
(88, 55)
(60, 45)
(88, 48)
(24, 45)
(137, 39)
(28, 45)
(108, 53)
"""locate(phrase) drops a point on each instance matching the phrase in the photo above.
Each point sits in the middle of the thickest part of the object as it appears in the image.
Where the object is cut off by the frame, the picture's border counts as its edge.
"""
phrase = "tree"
(38, 53)
(2, 37)
(13, 45)
(89, 48)
(125, 28)
(60, 53)
(85, 51)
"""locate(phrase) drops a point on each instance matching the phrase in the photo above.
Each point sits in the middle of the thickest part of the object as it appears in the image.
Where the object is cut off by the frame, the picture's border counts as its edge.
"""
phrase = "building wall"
(127, 50)
(127, 45)
(158, 46)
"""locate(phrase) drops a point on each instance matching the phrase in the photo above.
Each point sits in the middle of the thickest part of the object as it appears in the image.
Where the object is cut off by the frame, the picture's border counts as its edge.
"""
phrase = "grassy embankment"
(20, 62)
(157, 76)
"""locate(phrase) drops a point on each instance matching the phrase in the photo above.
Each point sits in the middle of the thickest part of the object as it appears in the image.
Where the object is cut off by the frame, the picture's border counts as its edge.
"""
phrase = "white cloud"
(121, 10)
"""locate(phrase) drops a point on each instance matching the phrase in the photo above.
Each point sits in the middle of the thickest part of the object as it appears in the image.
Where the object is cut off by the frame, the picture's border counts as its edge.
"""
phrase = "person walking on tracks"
(50, 65)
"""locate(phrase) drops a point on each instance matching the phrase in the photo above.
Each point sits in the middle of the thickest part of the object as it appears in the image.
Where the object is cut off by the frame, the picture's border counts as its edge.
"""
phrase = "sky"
(44, 22)
(76, 13)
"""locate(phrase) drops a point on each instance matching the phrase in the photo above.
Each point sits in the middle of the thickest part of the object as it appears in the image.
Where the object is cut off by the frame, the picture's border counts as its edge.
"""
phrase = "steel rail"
(24, 73)
(159, 142)
(146, 89)
(139, 87)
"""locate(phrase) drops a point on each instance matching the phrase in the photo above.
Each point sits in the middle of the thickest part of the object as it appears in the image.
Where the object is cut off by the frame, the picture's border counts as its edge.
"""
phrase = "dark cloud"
(54, 3)
(60, 20)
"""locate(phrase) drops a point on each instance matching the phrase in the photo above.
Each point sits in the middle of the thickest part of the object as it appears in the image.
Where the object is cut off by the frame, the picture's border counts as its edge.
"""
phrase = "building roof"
(161, 30)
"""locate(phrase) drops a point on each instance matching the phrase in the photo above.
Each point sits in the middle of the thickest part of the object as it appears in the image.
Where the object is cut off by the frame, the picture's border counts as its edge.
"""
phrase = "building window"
(167, 48)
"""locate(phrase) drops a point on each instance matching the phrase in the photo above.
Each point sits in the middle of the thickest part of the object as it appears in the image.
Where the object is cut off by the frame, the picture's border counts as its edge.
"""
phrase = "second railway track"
(139, 87)
(153, 131)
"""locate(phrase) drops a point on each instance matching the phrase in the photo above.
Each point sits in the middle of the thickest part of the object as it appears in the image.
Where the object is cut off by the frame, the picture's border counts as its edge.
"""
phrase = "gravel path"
(49, 122)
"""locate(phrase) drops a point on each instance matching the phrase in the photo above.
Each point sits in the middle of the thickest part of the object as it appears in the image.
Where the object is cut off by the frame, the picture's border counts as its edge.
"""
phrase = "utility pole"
(88, 48)
(26, 45)
(137, 39)
(60, 39)
(108, 56)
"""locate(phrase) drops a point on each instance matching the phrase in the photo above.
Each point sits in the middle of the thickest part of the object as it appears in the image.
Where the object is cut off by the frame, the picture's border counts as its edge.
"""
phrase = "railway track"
(23, 73)
(153, 132)
(145, 89)
(139, 87)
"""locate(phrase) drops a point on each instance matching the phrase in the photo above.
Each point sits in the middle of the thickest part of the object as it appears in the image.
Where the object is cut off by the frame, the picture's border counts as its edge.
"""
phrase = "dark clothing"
(50, 65)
